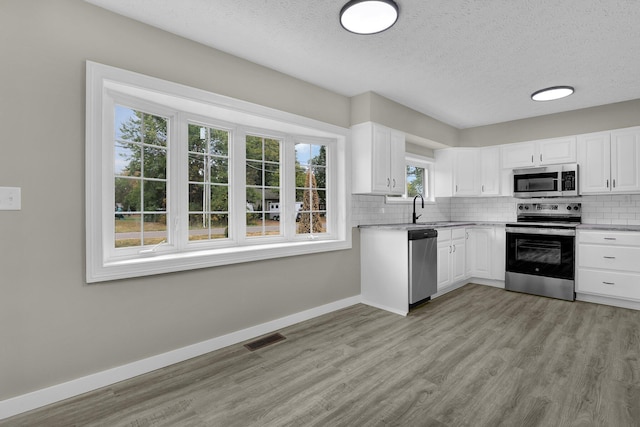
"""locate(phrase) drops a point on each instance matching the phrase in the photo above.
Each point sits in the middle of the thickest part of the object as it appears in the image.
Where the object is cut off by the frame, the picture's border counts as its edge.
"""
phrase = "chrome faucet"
(415, 218)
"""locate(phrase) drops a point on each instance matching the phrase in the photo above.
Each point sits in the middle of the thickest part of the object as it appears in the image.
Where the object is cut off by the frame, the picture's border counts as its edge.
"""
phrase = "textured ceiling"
(464, 62)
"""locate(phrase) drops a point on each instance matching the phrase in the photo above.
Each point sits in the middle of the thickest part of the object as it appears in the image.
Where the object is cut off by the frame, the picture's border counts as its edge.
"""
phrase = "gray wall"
(54, 327)
(605, 117)
(370, 106)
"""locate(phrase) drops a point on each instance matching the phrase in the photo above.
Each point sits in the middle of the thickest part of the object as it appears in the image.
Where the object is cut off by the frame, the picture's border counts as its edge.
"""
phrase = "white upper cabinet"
(465, 172)
(610, 161)
(468, 172)
(378, 159)
(625, 160)
(490, 171)
(556, 151)
(594, 159)
(518, 155)
(539, 153)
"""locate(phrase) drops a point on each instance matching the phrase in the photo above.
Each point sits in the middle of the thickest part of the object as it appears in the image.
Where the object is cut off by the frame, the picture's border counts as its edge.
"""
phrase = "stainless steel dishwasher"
(423, 265)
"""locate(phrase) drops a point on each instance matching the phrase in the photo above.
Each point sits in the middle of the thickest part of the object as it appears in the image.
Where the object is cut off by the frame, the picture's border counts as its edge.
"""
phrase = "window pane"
(196, 197)
(127, 192)
(219, 170)
(209, 179)
(155, 229)
(263, 187)
(272, 150)
(219, 198)
(155, 195)
(128, 124)
(415, 181)
(127, 159)
(155, 129)
(254, 147)
(255, 173)
(196, 168)
(155, 162)
(219, 142)
(127, 230)
(310, 220)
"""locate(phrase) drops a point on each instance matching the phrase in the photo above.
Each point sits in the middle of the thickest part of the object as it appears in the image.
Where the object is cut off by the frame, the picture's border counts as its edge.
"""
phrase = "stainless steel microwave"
(546, 181)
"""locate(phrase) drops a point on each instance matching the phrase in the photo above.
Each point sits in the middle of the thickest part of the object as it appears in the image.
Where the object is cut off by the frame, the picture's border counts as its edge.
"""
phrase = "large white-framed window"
(419, 179)
(179, 178)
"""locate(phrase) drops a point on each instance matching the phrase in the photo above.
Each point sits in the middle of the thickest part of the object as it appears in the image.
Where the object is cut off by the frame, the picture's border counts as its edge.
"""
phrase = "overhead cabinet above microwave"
(539, 153)
(377, 159)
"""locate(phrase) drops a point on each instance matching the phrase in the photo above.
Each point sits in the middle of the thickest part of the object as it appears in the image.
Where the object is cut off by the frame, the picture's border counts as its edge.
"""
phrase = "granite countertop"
(439, 224)
(609, 227)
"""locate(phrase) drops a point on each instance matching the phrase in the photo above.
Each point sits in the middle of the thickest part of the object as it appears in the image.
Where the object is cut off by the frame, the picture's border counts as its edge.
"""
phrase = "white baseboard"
(26, 402)
(616, 302)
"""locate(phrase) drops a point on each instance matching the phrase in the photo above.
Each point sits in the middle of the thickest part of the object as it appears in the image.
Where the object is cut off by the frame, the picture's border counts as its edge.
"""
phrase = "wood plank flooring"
(478, 356)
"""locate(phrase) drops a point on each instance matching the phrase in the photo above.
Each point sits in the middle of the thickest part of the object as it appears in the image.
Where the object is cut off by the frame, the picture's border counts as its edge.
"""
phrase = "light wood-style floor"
(478, 356)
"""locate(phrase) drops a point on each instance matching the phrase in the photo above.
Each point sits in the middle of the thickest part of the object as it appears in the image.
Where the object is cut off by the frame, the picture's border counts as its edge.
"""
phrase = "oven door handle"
(545, 231)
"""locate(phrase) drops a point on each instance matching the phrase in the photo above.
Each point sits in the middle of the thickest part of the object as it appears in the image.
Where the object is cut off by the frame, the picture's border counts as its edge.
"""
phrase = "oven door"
(541, 252)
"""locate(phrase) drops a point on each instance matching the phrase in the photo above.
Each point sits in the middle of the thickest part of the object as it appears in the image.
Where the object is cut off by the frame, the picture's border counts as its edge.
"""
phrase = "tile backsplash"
(607, 209)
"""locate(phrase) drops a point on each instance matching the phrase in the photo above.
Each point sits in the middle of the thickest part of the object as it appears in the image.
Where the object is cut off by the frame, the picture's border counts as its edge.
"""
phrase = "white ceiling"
(464, 62)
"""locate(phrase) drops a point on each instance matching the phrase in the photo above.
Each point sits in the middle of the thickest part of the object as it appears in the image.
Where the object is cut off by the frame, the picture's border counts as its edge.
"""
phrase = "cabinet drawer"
(444, 234)
(619, 285)
(609, 257)
(611, 238)
(458, 233)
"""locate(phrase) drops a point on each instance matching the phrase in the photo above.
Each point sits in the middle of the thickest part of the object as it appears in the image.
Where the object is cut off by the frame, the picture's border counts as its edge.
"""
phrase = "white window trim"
(422, 162)
(100, 79)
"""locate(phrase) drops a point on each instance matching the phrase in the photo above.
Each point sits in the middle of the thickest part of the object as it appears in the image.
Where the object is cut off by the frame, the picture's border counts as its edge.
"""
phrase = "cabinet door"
(458, 260)
(381, 165)
(625, 160)
(397, 162)
(470, 250)
(490, 171)
(556, 151)
(465, 181)
(483, 248)
(518, 155)
(444, 267)
(594, 159)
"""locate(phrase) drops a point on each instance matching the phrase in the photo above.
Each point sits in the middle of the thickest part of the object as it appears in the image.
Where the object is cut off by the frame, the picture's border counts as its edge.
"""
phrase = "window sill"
(183, 261)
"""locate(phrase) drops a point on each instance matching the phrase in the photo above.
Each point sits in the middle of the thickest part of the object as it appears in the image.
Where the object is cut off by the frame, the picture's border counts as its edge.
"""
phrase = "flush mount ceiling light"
(368, 16)
(552, 93)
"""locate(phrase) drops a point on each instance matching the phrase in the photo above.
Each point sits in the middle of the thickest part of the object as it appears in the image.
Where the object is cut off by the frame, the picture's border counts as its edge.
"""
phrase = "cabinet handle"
(466, 235)
(454, 248)
(614, 183)
(449, 249)
(609, 238)
(394, 183)
(456, 188)
(609, 257)
(532, 158)
(607, 183)
(540, 156)
(388, 182)
(608, 283)
(483, 188)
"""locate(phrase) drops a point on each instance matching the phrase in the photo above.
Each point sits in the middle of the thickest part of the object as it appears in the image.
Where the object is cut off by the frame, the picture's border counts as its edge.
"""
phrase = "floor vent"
(263, 342)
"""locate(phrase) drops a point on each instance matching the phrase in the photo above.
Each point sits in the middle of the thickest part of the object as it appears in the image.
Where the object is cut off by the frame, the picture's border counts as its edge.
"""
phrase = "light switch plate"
(10, 199)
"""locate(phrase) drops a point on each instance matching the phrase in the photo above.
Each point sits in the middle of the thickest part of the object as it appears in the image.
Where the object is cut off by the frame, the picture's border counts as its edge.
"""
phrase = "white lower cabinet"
(608, 264)
(486, 252)
(451, 256)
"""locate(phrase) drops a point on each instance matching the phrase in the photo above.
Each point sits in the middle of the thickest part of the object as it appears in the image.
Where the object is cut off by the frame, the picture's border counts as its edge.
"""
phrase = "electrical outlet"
(10, 199)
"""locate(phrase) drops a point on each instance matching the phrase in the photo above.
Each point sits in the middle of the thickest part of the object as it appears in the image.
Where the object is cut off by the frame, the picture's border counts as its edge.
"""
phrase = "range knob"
(568, 208)
(576, 207)
(526, 208)
(520, 207)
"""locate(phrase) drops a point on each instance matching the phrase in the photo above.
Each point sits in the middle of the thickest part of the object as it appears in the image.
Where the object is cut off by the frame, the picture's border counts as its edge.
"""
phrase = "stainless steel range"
(541, 249)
